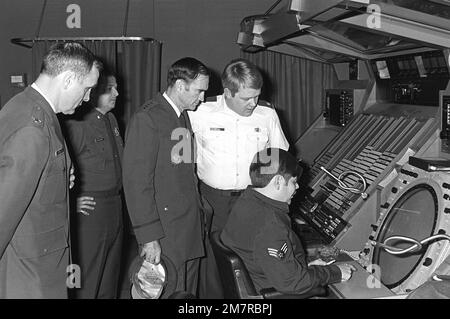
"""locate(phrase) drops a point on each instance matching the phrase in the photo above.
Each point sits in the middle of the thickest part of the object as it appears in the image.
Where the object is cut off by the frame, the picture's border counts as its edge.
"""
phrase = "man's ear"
(277, 181)
(227, 93)
(179, 85)
(68, 78)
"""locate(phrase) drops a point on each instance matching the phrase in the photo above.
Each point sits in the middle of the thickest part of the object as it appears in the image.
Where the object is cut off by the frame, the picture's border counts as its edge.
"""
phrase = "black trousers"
(210, 286)
(97, 248)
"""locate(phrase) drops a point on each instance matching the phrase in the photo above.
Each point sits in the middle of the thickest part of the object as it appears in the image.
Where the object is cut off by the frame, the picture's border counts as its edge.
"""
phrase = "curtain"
(296, 88)
(140, 66)
(137, 68)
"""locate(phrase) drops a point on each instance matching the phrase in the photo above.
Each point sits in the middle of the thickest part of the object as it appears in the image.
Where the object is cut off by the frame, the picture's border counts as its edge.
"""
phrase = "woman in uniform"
(97, 226)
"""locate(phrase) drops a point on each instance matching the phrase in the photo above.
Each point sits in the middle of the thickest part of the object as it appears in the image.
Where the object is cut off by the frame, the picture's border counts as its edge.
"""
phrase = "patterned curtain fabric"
(137, 65)
(296, 88)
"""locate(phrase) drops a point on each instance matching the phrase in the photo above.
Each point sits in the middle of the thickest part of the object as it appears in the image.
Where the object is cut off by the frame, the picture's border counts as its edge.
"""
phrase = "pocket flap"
(58, 165)
(36, 245)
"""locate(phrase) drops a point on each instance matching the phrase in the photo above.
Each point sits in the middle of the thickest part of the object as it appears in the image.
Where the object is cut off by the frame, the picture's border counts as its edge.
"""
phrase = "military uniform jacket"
(259, 231)
(160, 189)
(33, 200)
(97, 150)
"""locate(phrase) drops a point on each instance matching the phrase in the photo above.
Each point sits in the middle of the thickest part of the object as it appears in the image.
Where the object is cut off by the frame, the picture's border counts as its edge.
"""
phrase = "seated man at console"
(259, 230)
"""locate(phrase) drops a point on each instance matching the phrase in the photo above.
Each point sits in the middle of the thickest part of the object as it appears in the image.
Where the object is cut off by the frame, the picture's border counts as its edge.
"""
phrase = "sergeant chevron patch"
(278, 253)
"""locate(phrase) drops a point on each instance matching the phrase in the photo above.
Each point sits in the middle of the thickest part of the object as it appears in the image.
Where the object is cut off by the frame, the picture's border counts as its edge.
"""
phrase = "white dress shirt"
(227, 142)
(175, 108)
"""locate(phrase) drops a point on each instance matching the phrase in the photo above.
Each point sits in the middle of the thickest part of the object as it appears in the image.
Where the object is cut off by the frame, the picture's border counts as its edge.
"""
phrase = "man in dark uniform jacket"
(34, 175)
(259, 230)
(159, 178)
(96, 149)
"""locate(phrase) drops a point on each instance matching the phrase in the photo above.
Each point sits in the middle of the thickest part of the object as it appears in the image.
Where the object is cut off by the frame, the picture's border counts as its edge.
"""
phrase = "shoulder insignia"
(278, 253)
(37, 116)
(116, 131)
(265, 103)
(211, 99)
(59, 152)
(149, 104)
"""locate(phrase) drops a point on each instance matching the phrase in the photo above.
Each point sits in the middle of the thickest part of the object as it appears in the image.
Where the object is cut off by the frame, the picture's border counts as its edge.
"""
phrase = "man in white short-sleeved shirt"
(229, 130)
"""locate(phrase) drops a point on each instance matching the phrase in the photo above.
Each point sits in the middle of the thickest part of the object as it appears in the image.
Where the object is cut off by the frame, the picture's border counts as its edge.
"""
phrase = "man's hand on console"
(320, 262)
(346, 271)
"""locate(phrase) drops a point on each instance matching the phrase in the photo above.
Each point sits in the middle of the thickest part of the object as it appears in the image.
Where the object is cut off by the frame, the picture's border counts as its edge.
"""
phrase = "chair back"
(236, 281)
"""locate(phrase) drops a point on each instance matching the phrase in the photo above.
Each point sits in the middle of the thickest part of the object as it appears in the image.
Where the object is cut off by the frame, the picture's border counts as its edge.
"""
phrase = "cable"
(272, 7)
(345, 186)
(416, 245)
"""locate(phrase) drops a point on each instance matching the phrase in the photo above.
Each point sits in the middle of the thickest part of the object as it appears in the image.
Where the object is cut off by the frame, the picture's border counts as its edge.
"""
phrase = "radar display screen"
(413, 215)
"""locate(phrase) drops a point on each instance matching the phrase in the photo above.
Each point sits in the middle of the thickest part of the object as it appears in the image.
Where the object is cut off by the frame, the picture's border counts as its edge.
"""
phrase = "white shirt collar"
(227, 109)
(34, 86)
(175, 108)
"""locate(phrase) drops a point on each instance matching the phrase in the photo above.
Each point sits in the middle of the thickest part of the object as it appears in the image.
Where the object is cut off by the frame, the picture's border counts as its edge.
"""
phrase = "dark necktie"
(182, 119)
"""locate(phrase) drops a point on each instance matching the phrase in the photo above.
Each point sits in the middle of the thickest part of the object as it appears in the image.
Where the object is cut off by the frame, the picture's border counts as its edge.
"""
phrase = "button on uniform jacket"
(160, 189)
(34, 163)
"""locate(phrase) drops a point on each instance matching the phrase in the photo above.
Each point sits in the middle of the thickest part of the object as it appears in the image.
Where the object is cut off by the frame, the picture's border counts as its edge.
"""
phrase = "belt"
(223, 192)
(108, 193)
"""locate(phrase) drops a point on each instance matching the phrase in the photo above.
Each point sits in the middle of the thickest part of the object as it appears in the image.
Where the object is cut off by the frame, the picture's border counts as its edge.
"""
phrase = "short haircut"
(241, 73)
(187, 69)
(73, 56)
(271, 162)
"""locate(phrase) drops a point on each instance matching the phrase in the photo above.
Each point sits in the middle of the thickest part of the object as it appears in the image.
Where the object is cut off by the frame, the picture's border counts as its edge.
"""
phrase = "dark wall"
(205, 29)
(17, 18)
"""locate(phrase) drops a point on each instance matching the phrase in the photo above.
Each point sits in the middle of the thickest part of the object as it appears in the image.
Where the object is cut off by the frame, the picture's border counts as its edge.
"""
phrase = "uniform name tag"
(58, 152)
(99, 139)
(217, 129)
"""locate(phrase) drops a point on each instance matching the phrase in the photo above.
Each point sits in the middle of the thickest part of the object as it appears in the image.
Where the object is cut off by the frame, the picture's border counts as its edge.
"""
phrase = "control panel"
(325, 220)
(339, 106)
(445, 124)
